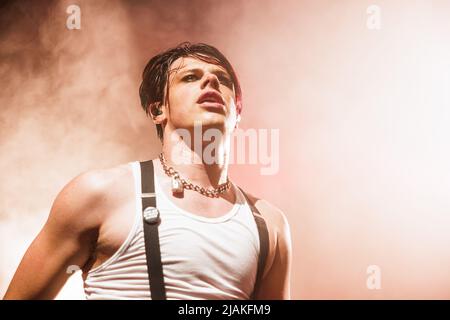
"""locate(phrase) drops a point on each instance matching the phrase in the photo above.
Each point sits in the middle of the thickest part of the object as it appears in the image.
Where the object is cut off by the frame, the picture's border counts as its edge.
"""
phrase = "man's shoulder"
(91, 192)
(98, 182)
(274, 216)
(278, 229)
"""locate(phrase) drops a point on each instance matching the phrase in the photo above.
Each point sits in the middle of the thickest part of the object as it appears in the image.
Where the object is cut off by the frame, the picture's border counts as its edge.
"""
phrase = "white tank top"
(202, 258)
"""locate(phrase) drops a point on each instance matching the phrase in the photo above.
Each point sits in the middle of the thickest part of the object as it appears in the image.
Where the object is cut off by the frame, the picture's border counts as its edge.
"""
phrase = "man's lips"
(214, 105)
(211, 98)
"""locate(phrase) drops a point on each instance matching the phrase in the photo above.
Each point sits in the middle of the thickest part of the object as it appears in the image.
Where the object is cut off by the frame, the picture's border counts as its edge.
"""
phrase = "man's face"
(200, 92)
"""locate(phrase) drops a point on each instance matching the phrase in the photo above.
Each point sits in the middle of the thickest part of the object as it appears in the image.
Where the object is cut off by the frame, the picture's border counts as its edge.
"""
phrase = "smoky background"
(362, 116)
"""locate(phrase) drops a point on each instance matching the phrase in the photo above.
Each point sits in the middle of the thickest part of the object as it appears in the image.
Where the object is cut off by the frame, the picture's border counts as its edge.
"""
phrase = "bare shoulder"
(275, 218)
(82, 201)
(97, 179)
(279, 233)
(276, 277)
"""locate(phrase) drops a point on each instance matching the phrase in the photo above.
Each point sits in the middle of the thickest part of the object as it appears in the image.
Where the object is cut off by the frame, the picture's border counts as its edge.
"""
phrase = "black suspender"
(263, 244)
(151, 221)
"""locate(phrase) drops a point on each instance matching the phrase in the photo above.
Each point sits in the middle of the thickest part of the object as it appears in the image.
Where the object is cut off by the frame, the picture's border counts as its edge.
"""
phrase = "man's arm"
(67, 239)
(276, 283)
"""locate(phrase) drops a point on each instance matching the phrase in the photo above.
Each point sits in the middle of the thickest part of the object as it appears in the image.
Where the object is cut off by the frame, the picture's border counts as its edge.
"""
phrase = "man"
(208, 237)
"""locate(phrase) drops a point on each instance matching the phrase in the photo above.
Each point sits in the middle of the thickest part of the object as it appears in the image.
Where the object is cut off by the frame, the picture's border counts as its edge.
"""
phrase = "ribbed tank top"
(202, 258)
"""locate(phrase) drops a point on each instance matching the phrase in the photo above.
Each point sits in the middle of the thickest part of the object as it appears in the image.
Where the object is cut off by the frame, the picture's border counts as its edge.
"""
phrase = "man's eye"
(226, 81)
(190, 77)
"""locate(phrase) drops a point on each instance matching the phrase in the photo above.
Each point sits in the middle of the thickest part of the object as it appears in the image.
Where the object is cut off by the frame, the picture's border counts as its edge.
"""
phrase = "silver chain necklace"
(179, 184)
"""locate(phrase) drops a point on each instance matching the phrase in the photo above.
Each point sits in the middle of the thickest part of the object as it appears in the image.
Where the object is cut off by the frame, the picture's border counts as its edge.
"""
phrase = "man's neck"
(196, 166)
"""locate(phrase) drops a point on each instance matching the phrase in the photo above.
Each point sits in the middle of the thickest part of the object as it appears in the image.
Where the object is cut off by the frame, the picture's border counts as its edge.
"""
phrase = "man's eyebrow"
(215, 71)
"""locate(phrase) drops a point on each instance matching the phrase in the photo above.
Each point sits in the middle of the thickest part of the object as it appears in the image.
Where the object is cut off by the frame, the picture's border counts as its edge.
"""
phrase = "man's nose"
(211, 80)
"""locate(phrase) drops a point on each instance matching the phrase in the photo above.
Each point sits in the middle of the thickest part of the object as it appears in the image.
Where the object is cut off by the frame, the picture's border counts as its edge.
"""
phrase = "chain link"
(211, 193)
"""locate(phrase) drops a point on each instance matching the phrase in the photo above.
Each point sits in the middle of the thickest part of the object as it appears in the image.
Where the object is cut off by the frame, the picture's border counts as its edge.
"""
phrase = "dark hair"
(156, 75)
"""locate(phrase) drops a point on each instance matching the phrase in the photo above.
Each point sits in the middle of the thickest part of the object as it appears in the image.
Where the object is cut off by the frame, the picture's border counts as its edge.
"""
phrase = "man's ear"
(157, 112)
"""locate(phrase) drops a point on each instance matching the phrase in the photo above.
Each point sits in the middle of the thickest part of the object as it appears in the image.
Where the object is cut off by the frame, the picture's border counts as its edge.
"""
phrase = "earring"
(157, 112)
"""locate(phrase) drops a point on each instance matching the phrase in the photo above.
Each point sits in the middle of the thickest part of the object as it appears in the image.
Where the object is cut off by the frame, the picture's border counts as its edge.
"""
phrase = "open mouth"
(211, 99)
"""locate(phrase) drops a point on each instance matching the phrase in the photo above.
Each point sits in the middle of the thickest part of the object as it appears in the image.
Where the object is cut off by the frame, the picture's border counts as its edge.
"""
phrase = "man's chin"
(212, 124)
(212, 118)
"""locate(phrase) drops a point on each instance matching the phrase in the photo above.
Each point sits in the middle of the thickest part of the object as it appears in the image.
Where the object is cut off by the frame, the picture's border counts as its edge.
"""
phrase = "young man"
(209, 242)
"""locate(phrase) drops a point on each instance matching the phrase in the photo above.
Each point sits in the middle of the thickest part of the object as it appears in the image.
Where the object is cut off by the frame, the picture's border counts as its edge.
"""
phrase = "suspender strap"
(151, 220)
(263, 244)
